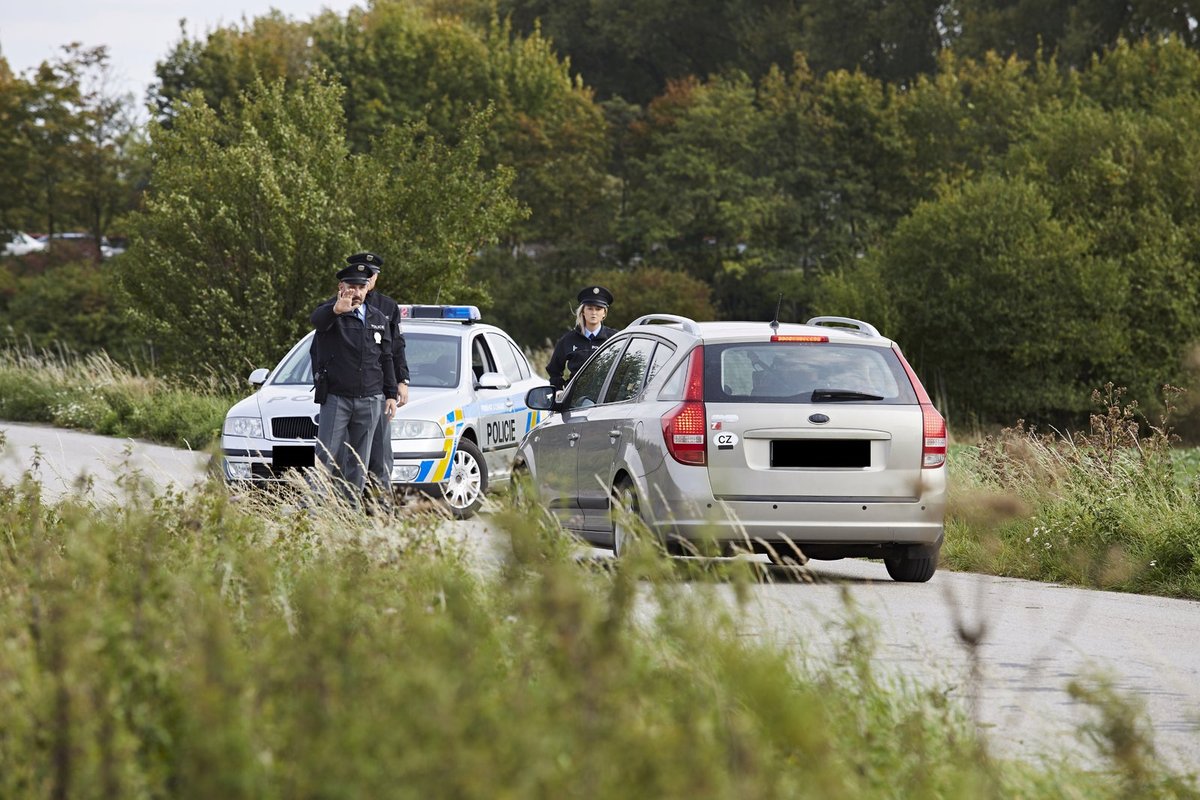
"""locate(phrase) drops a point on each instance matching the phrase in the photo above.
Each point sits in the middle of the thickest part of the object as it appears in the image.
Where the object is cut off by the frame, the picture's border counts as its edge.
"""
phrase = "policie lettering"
(501, 431)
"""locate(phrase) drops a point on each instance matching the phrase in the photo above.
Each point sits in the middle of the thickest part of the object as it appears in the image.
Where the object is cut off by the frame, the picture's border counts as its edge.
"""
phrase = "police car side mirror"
(492, 380)
(541, 398)
(258, 377)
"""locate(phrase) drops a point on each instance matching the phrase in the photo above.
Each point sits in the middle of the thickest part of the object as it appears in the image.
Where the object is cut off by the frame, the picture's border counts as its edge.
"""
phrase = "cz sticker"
(725, 440)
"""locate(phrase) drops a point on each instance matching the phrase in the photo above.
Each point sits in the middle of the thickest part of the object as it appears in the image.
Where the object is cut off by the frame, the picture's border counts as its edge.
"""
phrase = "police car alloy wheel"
(464, 487)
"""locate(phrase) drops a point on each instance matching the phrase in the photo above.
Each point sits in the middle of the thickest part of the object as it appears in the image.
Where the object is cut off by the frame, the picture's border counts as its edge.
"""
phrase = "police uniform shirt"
(391, 310)
(356, 354)
(574, 348)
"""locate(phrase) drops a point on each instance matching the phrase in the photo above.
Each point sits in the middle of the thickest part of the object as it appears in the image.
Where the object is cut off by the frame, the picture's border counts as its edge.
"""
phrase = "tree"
(1004, 310)
(1072, 30)
(248, 216)
(888, 40)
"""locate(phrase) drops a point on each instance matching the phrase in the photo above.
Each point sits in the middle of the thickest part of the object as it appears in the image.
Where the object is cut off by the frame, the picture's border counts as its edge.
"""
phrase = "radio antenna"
(775, 322)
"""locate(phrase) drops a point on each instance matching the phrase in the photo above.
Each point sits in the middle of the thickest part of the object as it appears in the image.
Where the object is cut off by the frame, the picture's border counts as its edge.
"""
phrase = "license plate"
(821, 453)
(291, 456)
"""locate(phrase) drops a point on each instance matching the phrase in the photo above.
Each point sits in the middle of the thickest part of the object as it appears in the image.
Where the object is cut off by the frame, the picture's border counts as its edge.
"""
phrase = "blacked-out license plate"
(821, 453)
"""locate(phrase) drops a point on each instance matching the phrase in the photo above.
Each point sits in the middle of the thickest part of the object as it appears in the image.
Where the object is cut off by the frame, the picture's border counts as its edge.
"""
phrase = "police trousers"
(345, 433)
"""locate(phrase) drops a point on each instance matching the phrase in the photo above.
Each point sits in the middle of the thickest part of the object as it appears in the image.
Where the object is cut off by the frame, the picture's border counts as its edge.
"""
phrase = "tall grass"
(190, 646)
(1108, 508)
(95, 393)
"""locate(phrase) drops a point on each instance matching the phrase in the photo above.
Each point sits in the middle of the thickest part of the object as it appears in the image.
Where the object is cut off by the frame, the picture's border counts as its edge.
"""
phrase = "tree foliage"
(250, 215)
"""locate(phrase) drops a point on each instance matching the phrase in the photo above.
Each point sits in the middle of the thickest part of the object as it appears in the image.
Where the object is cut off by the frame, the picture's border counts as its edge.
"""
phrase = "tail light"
(684, 425)
(933, 448)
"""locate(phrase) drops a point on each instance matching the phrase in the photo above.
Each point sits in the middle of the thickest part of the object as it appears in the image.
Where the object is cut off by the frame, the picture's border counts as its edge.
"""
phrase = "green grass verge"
(94, 393)
(192, 647)
(1114, 508)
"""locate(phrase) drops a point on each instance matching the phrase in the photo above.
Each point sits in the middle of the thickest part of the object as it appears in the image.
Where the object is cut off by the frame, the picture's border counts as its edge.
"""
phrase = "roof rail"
(688, 325)
(854, 325)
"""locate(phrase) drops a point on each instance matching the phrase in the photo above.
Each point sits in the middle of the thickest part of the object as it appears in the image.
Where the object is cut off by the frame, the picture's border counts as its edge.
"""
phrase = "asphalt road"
(66, 461)
(1033, 639)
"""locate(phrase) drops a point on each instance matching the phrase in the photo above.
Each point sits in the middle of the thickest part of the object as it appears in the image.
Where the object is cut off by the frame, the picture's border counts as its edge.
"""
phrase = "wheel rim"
(465, 482)
(626, 509)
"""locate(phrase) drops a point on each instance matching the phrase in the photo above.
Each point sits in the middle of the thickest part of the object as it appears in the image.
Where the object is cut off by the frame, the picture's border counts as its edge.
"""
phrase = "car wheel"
(464, 487)
(520, 485)
(912, 570)
(625, 516)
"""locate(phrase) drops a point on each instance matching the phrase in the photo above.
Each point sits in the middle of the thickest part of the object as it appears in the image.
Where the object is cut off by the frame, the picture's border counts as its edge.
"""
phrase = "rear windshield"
(800, 372)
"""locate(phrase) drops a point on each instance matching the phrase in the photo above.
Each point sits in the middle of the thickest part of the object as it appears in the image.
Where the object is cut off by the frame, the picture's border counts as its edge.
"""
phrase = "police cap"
(355, 273)
(372, 261)
(595, 296)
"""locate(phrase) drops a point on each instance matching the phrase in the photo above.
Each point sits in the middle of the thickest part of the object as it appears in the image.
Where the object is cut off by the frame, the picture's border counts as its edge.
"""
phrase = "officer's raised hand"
(345, 299)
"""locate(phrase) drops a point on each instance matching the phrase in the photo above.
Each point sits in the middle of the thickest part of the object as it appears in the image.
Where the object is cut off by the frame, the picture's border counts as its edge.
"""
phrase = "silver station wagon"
(798, 441)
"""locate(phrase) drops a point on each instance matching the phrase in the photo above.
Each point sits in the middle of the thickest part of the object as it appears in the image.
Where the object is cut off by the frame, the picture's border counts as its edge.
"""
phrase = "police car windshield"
(433, 360)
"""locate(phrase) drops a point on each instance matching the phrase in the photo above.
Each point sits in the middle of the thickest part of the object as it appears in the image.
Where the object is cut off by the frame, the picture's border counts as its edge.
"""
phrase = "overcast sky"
(138, 33)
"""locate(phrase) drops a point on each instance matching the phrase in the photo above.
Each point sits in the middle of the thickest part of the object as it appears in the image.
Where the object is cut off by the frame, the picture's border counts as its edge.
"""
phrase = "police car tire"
(469, 453)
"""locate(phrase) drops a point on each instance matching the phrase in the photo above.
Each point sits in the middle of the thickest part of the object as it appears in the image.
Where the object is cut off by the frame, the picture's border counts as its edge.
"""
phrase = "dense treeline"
(1007, 189)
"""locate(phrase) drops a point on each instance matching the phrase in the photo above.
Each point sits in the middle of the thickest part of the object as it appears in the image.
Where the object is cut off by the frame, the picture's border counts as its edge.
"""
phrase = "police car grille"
(293, 428)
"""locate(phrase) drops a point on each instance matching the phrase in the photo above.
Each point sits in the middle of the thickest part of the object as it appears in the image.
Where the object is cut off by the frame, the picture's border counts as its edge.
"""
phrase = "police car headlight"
(238, 471)
(244, 426)
(416, 429)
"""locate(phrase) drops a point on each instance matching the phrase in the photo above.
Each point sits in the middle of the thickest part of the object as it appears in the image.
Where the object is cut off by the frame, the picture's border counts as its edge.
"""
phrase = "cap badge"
(596, 290)
(361, 268)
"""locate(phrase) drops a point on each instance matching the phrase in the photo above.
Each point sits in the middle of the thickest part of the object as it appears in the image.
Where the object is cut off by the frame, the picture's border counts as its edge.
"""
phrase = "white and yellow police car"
(454, 438)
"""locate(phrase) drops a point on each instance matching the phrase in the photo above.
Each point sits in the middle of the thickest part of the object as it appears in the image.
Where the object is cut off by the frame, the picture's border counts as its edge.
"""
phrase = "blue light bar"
(456, 313)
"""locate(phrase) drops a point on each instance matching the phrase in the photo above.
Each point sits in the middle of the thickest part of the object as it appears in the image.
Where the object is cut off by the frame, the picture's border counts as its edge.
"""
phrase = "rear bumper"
(678, 505)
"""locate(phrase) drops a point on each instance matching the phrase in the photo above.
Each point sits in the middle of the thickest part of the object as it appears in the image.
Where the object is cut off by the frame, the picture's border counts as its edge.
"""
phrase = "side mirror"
(258, 377)
(541, 398)
(492, 380)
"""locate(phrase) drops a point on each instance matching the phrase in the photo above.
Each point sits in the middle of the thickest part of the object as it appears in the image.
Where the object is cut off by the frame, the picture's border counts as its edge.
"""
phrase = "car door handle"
(508, 402)
(614, 434)
(572, 437)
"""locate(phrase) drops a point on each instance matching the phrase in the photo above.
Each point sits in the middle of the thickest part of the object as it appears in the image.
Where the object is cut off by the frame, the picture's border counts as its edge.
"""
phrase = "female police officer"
(577, 344)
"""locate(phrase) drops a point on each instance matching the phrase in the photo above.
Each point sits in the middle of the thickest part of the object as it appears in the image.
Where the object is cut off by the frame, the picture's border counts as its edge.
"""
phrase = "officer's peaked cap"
(595, 296)
(372, 261)
(355, 273)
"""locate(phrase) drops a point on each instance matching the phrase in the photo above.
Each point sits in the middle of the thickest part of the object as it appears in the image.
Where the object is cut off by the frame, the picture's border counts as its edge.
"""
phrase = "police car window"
(433, 359)
(522, 362)
(296, 368)
(506, 362)
(586, 387)
(630, 373)
(481, 361)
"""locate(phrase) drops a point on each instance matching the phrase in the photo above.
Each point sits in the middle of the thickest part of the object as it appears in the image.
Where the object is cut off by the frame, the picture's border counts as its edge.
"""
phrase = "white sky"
(138, 33)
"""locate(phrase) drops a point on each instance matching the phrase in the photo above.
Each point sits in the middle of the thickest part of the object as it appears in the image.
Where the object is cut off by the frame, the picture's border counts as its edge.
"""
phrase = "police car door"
(501, 411)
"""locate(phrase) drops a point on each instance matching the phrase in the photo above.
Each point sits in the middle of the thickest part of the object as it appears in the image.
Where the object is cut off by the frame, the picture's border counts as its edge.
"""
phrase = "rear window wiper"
(822, 395)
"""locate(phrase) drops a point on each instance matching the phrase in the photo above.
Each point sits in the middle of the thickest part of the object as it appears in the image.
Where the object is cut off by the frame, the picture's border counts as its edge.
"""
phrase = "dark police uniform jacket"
(355, 357)
(391, 310)
(572, 350)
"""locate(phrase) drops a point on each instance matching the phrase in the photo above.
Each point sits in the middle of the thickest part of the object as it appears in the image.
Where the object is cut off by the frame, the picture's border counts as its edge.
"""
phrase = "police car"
(454, 438)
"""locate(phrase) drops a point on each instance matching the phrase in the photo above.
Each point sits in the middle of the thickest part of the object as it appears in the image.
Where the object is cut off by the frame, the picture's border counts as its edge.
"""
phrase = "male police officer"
(577, 344)
(354, 368)
(380, 464)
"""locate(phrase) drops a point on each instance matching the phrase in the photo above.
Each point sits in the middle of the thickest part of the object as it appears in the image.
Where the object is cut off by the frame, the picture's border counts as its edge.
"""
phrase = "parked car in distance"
(454, 438)
(84, 241)
(18, 243)
(798, 441)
